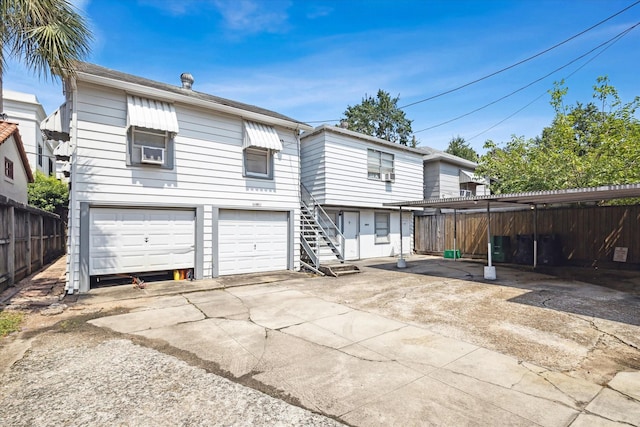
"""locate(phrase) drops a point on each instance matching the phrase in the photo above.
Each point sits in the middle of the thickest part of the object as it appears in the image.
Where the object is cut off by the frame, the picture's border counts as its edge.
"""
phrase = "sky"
(311, 59)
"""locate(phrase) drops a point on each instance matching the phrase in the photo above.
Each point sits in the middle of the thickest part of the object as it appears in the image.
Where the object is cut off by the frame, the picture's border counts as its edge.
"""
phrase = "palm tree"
(47, 35)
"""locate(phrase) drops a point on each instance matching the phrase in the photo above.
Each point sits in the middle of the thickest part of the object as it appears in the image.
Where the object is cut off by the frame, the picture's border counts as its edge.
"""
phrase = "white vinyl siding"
(208, 168)
(334, 169)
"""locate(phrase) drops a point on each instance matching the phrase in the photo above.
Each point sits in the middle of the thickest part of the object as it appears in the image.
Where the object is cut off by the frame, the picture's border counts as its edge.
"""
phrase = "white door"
(140, 240)
(252, 241)
(351, 231)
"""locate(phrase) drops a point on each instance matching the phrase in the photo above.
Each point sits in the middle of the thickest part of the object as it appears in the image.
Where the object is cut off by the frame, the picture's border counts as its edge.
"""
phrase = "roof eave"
(135, 88)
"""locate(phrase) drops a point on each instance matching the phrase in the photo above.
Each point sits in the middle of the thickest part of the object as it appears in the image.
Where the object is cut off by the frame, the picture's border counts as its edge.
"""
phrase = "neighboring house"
(24, 109)
(17, 172)
(350, 176)
(446, 175)
(165, 178)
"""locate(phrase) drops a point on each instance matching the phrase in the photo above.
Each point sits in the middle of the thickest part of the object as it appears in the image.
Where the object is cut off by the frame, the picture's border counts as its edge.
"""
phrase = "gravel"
(62, 381)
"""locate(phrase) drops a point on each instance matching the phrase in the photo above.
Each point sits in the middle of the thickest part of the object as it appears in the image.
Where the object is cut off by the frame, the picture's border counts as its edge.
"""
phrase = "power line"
(545, 93)
(520, 62)
(620, 35)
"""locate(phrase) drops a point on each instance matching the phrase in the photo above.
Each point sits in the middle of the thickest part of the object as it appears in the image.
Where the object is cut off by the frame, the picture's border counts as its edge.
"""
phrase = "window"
(149, 147)
(39, 155)
(379, 165)
(52, 169)
(258, 162)
(8, 168)
(382, 227)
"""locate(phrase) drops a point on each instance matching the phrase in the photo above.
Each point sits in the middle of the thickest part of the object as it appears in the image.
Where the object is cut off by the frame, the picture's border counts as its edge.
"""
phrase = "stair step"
(337, 270)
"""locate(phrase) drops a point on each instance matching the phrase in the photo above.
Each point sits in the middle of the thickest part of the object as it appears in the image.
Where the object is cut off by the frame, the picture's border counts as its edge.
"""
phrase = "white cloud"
(252, 16)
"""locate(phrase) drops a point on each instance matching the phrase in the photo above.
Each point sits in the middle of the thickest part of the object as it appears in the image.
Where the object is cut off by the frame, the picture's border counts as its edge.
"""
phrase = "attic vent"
(187, 80)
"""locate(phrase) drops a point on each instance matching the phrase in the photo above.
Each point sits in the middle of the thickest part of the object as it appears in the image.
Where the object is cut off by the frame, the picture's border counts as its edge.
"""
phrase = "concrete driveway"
(433, 344)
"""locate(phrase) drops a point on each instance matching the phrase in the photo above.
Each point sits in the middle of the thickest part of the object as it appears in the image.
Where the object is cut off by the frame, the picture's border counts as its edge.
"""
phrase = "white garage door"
(252, 241)
(140, 240)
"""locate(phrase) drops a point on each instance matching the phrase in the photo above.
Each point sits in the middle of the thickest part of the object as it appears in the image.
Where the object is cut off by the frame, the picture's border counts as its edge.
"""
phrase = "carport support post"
(455, 233)
(401, 262)
(489, 270)
(535, 236)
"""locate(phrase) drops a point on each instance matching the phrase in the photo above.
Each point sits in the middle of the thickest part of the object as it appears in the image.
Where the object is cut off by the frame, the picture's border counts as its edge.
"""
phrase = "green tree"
(49, 194)
(586, 145)
(379, 117)
(47, 35)
(459, 147)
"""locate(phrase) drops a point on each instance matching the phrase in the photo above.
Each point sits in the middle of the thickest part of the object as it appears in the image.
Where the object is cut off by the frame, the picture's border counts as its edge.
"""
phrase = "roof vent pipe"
(187, 80)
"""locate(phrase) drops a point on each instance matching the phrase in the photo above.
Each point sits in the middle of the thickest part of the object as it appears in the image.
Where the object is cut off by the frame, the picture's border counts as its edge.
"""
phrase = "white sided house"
(446, 176)
(25, 110)
(16, 172)
(346, 179)
(166, 178)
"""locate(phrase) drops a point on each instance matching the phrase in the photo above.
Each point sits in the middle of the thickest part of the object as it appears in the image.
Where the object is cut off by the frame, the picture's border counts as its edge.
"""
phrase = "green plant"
(9, 322)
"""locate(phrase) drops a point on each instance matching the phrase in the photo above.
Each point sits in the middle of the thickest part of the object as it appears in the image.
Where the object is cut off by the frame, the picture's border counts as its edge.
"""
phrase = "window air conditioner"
(152, 155)
(388, 177)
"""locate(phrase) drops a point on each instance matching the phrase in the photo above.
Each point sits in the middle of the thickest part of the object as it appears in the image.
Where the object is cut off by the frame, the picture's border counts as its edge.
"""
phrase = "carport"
(519, 201)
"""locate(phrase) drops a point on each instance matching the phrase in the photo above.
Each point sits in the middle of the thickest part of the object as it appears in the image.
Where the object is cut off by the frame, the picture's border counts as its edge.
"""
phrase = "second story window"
(8, 168)
(380, 166)
(40, 155)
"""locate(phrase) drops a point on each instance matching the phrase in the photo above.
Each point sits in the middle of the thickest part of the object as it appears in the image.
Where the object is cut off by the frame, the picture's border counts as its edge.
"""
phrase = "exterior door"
(351, 232)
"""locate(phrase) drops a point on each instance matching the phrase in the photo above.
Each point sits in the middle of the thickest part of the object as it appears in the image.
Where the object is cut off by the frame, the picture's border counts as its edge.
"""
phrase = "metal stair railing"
(317, 223)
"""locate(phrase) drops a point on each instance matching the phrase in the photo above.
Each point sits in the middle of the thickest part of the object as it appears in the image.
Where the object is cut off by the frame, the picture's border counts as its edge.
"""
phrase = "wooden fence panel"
(29, 239)
(588, 235)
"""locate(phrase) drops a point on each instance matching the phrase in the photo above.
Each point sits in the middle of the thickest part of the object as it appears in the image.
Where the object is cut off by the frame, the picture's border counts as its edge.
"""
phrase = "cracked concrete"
(427, 345)
(367, 368)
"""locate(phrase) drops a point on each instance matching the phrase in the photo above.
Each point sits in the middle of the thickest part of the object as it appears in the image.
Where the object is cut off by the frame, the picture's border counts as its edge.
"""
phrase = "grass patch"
(9, 322)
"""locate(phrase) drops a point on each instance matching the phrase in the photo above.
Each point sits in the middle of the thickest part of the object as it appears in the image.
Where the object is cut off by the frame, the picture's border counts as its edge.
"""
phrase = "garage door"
(252, 241)
(140, 240)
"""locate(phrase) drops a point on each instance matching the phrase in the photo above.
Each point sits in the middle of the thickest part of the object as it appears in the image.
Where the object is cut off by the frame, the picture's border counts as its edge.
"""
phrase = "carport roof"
(525, 200)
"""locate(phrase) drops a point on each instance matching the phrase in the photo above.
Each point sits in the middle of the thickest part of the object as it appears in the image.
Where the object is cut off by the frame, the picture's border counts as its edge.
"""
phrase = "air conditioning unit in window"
(388, 177)
(153, 155)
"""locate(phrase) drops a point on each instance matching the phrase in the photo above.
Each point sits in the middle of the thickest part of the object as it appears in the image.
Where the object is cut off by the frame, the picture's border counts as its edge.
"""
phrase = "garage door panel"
(252, 241)
(136, 240)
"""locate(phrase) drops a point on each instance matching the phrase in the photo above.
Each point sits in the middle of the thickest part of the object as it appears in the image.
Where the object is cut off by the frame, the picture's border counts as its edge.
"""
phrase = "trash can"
(524, 249)
(549, 249)
(501, 248)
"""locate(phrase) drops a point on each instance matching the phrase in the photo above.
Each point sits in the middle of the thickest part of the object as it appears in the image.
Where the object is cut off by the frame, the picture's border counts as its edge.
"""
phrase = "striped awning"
(56, 125)
(466, 176)
(262, 136)
(151, 114)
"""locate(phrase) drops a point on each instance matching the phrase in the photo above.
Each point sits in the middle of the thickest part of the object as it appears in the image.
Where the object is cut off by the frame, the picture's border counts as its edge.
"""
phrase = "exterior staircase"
(321, 242)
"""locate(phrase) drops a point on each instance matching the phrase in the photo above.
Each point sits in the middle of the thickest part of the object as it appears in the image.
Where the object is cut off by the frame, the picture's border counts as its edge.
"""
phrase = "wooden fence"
(30, 238)
(584, 236)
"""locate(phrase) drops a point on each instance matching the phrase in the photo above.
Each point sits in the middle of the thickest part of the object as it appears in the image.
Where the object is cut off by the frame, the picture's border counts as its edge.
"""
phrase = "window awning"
(262, 136)
(466, 176)
(56, 125)
(151, 114)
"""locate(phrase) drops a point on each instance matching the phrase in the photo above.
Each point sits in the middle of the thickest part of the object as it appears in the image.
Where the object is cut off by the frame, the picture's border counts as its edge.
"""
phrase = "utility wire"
(506, 68)
(623, 33)
(520, 62)
(546, 92)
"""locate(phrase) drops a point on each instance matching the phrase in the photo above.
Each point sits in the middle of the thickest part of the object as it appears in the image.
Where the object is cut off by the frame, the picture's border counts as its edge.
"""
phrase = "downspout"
(73, 209)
